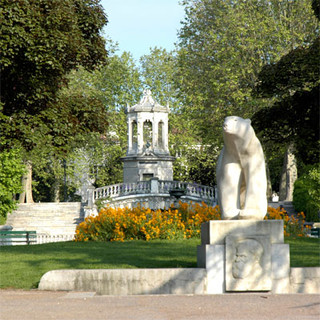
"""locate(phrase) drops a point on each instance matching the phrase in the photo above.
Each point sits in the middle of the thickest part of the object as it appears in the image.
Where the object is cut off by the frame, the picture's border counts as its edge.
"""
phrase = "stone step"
(49, 231)
(53, 207)
(289, 207)
(41, 218)
(49, 204)
(44, 217)
(43, 223)
(49, 218)
(47, 228)
(286, 205)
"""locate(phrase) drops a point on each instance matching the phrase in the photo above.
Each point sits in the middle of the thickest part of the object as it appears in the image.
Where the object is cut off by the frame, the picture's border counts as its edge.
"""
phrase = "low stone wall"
(127, 281)
(305, 280)
(234, 256)
(157, 281)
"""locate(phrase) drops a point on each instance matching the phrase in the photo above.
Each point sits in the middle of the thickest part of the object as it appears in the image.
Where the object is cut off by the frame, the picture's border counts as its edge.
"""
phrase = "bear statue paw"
(232, 214)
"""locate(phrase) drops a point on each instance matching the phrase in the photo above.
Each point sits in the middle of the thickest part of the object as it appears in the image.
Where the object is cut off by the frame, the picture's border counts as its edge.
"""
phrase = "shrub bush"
(182, 223)
(11, 171)
(306, 194)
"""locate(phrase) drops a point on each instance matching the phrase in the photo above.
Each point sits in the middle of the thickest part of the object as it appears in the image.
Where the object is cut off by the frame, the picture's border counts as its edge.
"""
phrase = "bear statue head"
(237, 127)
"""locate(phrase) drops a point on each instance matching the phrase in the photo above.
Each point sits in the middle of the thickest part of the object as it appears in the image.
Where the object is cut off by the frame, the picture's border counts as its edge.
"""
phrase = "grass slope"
(23, 266)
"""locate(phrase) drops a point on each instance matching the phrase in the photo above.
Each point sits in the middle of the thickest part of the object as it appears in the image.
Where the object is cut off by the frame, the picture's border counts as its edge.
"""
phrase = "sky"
(138, 25)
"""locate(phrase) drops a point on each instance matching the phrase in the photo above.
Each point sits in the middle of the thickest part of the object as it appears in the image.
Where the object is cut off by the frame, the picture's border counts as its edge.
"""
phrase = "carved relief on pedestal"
(248, 263)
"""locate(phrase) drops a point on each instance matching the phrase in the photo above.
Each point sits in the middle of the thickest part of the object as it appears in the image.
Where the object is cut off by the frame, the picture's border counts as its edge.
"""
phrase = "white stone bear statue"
(241, 172)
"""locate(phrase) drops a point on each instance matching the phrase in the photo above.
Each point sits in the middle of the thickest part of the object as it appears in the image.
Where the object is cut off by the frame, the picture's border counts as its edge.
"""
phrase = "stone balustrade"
(122, 189)
(49, 238)
(192, 189)
(153, 187)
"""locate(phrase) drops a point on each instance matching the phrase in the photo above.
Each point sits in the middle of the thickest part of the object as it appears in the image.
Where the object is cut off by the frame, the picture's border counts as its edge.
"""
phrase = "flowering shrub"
(182, 223)
(293, 226)
(142, 223)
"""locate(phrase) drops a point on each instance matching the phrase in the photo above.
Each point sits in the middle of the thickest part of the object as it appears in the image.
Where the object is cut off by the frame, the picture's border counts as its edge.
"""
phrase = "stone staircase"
(287, 205)
(47, 218)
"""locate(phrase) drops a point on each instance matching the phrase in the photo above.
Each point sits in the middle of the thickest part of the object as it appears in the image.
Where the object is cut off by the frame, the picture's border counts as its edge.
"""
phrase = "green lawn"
(304, 252)
(23, 266)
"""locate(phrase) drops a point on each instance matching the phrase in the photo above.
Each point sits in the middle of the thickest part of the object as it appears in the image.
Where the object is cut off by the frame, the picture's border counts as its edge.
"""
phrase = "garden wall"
(157, 281)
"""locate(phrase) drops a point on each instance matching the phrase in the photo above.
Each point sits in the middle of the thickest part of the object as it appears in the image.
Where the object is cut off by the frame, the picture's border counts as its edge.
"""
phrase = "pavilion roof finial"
(147, 104)
(147, 98)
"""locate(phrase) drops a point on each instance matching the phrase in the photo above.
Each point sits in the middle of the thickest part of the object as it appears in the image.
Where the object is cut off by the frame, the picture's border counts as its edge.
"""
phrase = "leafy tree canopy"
(41, 42)
(113, 85)
(222, 47)
(293, 114)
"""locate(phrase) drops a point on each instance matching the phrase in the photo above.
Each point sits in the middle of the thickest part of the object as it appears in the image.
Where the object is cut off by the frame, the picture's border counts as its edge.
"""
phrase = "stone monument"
(289, 175)
(243, 252)
(148, 152)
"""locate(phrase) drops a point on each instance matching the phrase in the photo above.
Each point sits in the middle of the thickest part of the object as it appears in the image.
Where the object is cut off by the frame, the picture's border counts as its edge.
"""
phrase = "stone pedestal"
(244, 255)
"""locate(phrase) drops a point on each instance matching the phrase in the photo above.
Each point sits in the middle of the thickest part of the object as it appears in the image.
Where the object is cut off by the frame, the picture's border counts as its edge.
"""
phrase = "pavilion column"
(155, 135)
(140, 135)
(130, 124)
(165, 133)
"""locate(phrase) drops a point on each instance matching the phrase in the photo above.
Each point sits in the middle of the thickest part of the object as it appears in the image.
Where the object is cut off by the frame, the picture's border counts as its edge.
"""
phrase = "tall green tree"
(41, 41)
(292, 84)
(222, 47)
(115, 85)
(158, 70)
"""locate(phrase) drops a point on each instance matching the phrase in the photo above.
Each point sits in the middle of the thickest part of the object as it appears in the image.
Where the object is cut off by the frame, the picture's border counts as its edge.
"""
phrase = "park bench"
(315, 232)
(11, 237)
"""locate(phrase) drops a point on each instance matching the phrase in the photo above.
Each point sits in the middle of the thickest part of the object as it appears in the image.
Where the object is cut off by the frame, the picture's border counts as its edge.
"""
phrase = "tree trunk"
(269, 185)
(26, 194)
(56, 190)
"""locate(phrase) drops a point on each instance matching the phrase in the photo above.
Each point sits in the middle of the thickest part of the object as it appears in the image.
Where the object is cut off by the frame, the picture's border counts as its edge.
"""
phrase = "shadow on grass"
(135, 254)
(23, 266)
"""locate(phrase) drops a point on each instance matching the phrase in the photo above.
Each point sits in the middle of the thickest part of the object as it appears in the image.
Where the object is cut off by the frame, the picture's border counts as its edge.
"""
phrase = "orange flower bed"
(183, 223)
(142, 223)
(292, 225)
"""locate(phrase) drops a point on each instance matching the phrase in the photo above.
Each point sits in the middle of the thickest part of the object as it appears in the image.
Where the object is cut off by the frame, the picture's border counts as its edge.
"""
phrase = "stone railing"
(49, 238)
(41, 238)
(122, 189)
(191, 189)
(152, 187)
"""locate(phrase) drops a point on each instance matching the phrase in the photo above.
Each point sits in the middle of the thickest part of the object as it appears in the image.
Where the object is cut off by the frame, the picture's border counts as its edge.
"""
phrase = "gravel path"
(19, 304)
